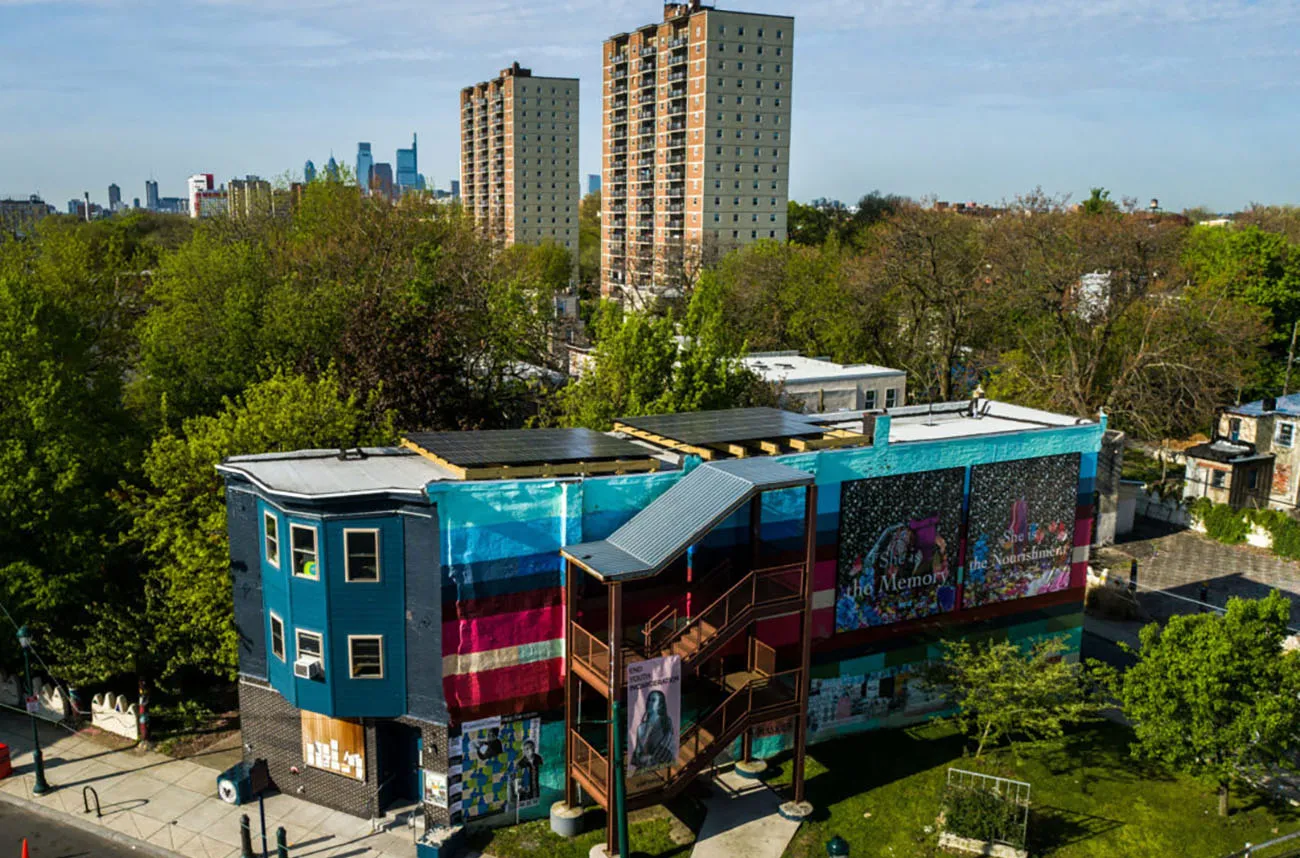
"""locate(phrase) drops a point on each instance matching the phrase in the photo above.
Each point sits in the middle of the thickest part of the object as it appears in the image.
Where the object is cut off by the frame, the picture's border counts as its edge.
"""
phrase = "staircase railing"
(762, 586)
(667, 622)
(589, 649)
(589, 763)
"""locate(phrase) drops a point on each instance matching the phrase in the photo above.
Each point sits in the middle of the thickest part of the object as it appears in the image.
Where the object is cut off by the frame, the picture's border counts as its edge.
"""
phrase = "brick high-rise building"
(519, 157)
(696, 152)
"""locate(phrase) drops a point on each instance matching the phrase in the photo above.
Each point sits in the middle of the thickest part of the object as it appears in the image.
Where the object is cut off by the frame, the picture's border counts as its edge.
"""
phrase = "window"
(1285, 432)
(870, 404)
(361, 555)
(305, 561)
(891, 397)
(277, 636)
(1252, 478)
(271, 533)
(366, 656)
(1234, 428)
(1216, 479)
(309, 645)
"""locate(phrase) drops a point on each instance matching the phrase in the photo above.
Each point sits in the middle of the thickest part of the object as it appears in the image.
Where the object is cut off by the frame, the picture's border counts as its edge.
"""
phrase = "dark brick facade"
(273, 728)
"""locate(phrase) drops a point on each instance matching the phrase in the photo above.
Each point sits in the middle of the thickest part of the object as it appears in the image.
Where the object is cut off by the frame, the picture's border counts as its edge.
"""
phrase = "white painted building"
(822, 385)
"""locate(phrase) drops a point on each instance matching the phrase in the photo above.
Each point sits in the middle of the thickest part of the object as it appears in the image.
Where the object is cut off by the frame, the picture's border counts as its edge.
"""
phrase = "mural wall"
(1021, 532)
(501, 766)
(898, 550)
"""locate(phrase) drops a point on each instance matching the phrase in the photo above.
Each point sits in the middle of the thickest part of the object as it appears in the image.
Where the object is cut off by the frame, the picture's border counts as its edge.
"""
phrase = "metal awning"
(681, 516)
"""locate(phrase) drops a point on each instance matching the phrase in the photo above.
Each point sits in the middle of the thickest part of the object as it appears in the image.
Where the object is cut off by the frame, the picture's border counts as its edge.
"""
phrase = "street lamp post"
(40, 787)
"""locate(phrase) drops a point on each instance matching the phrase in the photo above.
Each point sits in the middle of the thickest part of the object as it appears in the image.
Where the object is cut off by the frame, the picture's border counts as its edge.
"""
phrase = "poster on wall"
(435, 789)
(500, 765)
(654, 696)
(898, 548)
(334, 745)
(1021, 533)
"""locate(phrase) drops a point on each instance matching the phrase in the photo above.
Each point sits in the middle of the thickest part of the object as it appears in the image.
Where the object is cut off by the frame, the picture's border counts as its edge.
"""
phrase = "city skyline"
(1191, 102)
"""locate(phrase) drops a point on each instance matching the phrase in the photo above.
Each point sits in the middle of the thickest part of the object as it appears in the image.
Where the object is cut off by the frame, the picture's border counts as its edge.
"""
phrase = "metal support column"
(616, 827)
(805, 627)
(570, 681)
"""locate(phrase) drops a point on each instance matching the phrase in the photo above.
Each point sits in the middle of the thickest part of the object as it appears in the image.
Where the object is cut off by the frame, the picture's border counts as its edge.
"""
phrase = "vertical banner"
(898, 548)
(654, 713)
(1021, 533)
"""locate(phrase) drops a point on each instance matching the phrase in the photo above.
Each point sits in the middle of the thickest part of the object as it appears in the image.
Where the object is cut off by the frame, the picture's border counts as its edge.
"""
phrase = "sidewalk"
(742, 820)
(171, 805)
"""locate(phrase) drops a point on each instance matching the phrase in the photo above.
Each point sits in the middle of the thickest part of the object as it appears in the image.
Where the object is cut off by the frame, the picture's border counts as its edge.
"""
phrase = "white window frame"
(1290, 439)
(891, 397)
(870, 400)
(1218, 479)
(270, 518)
(293, 558)
(297, 645)
(347, 557)
(352, 674)
(277, 620)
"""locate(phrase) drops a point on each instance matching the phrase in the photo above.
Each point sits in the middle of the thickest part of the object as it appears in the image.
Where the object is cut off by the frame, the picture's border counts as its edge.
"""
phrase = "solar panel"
(525, 446)
(721, 427)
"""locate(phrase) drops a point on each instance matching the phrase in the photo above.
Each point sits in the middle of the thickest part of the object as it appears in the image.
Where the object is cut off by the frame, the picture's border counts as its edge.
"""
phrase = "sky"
(1194, 102)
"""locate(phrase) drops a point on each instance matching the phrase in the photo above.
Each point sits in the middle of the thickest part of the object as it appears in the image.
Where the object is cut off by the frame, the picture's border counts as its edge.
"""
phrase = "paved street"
(48, 839)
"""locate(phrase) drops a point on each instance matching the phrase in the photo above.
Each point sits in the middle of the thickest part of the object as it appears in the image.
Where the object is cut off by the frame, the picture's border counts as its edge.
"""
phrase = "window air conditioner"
(307, 668)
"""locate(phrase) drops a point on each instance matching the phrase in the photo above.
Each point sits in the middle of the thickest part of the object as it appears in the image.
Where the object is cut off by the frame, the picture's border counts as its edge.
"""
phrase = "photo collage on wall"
(500, 767)
(1020, 537)
(889, 697)
(898, 548)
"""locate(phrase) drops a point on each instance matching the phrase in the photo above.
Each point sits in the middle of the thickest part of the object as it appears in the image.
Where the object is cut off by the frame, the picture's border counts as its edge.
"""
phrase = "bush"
(983, 814)
(1223, 523)
(1284, 529)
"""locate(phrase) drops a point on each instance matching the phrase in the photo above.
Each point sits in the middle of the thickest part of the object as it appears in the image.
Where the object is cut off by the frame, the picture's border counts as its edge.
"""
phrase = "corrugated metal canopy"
(681, 516)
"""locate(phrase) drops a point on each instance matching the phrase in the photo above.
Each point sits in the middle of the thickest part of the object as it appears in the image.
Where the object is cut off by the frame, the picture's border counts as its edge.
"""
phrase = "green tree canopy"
(1215, 695)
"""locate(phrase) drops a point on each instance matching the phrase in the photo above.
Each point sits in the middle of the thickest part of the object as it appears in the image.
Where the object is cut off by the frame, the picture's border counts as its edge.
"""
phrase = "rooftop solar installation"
(721, 427)
(525, 446)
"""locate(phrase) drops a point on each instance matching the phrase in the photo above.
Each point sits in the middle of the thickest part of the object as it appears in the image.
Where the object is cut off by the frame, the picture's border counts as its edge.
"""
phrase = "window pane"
(304, 552)
(367, 657)
(272, 539)
(363, 555)
(277, 637)
(309, 645)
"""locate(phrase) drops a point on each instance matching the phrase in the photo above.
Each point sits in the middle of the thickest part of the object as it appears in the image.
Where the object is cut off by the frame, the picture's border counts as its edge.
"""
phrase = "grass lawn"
(1089, 798)
(654, 832)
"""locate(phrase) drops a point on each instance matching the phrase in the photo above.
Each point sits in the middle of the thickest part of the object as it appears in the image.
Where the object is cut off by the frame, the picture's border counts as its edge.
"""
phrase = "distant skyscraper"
(365, 166)
(593, 183)
(309, 172)
(408, 168)
(381, 180)
(135, 203)
(332, 169)
(455, 189)
(151, 195)
(114, 198)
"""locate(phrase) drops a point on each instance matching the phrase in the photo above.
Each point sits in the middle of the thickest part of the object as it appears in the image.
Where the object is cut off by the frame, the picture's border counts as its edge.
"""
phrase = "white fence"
(115, 713)
(1172, 510)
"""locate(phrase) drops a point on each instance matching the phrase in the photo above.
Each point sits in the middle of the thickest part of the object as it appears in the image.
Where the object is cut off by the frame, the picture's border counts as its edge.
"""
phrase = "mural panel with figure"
(1021, 534)
(898, 548)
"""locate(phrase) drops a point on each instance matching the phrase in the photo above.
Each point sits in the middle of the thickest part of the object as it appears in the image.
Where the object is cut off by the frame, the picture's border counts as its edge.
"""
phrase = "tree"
(1095, 317)
(1215, 695)
(1000, 690)
(589, 245)
(1099, 202)
(178, 517)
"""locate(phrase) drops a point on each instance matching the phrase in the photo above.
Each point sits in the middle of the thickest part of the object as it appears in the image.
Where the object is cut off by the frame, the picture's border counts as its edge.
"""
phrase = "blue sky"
(1196, 102)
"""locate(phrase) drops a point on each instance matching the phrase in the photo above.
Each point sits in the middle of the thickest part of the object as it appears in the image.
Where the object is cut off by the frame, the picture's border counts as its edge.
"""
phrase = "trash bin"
(233, 784)
(6, 767)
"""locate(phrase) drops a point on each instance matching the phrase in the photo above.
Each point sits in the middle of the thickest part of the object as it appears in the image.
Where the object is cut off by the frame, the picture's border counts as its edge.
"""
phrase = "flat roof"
(794, 367)
(323, 474)
(962, 419)
(1288, 405)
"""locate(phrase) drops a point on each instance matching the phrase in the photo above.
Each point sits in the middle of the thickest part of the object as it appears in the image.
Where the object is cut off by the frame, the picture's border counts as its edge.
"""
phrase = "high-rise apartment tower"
(519, 157)
(696, 151)
(365, 167)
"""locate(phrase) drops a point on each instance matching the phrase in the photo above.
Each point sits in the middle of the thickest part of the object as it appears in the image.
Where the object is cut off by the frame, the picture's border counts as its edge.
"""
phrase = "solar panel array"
(525, 446)
(721, 427)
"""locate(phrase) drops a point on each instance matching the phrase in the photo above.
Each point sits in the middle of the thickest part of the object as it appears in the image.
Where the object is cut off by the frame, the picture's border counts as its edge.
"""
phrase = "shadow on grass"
(1051, 828)
(1101, 750)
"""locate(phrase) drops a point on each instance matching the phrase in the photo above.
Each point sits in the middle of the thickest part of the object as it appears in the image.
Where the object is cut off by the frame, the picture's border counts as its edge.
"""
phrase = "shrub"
(983, 814)
(1284, 529)
(1224, 524)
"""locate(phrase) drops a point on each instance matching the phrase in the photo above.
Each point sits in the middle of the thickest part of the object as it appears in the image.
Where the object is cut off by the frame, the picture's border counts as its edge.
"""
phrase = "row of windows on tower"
(740, 83)
(740, 49)
(735, 218)
(740, 31)
(740, 66)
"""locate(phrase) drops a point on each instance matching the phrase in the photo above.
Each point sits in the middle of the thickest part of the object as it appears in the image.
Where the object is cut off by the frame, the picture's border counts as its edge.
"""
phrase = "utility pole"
(1290, 357)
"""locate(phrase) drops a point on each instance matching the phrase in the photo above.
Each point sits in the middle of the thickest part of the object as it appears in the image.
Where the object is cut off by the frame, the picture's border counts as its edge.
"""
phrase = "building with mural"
(435, 622)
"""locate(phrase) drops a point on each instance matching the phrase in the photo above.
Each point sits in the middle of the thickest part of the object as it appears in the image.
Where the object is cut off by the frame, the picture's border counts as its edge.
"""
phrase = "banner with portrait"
(654, 699)
(898, 548)
(1021, 535)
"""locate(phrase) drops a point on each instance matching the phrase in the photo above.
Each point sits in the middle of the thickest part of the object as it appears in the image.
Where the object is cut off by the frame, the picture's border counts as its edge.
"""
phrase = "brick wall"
(273, 727)
(436, 738)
